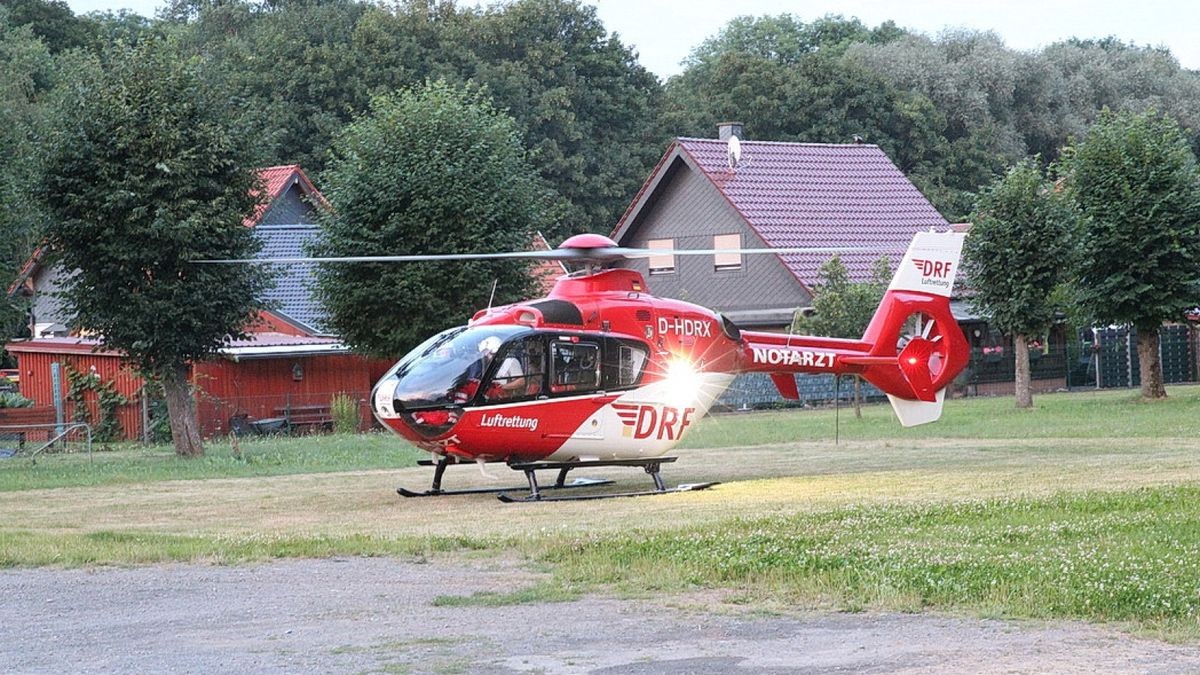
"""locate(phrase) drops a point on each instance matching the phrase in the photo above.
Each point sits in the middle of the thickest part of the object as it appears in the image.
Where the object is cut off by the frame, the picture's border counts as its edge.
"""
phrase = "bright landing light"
(683, 382)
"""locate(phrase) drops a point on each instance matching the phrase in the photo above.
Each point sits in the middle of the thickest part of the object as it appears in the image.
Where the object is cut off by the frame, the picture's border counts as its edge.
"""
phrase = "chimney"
(727, 129)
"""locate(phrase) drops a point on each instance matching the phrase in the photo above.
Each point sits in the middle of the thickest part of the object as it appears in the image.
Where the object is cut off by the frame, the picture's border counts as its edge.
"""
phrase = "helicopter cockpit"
(441, 370)
(498, 364)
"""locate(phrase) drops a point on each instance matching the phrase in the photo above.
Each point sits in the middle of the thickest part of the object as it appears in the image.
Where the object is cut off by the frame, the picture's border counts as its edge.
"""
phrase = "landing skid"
(577, 483)
(686, 487)
(650, 466)
(435, 490)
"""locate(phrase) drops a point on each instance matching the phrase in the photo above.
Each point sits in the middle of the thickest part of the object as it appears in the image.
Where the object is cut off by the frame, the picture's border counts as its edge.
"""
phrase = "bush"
(344, 411)
(11, 399)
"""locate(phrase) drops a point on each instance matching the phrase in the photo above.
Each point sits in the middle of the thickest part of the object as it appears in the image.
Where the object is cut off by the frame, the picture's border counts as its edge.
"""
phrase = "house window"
(727, 261)
(662, 264)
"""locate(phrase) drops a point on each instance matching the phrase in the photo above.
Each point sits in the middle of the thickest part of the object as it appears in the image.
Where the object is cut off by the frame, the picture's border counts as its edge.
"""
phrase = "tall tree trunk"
(181, 409)
(1023, 385)
(1149, 363)
(857, 397)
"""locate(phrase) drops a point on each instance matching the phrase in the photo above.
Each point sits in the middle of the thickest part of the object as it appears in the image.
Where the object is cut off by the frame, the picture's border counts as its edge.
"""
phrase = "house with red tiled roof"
(289, 366)
(284, 222)
(774, 195)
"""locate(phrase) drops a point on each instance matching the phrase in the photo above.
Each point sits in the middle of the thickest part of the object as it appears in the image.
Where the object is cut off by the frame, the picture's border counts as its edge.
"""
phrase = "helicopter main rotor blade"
(569, 254)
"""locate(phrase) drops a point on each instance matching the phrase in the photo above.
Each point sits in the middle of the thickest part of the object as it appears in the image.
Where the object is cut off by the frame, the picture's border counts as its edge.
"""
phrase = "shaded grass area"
(1131, 556)
(1100, 415)
(271, 456)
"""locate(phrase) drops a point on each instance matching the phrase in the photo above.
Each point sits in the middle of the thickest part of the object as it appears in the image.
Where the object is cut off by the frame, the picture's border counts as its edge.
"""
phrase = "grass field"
(1085, 508)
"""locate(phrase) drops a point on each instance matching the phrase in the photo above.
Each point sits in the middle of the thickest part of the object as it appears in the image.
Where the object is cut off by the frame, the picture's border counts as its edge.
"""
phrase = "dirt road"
(378, 615)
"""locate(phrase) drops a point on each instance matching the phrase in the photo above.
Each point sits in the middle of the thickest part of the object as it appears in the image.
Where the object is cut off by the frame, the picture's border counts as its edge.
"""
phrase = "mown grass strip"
(1127, 556)
(537, 593)
(22, 548)
(1082, 415)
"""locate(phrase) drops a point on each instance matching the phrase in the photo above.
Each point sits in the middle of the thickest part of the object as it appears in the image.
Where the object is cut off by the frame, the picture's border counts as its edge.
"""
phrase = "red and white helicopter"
(602, 373)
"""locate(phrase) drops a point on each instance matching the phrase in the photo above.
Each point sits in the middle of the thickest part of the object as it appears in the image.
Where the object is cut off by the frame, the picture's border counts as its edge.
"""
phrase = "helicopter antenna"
(837, 398)
(493, 295)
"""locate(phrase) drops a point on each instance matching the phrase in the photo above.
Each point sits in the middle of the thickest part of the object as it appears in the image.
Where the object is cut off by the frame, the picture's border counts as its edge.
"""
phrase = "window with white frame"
(662, 264)
(727, 261)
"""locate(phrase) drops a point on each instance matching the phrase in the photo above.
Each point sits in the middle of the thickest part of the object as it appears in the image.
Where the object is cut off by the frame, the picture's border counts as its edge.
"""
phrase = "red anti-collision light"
(587, 241)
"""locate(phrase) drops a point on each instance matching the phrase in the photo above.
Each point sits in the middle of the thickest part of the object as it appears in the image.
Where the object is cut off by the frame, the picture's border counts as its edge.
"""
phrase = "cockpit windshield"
(447, 368)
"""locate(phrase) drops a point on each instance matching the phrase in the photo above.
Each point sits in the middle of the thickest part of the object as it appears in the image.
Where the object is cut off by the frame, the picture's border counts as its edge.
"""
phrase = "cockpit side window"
(624, 362)
(574, 366)
(519, 373)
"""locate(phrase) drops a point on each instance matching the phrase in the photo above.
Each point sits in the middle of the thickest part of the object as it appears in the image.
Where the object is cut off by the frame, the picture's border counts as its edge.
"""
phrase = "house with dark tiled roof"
(774, 195)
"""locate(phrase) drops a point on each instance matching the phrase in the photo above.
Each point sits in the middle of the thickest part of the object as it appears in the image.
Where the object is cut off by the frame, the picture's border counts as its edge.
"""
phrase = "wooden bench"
(17, 424)
(306, 417)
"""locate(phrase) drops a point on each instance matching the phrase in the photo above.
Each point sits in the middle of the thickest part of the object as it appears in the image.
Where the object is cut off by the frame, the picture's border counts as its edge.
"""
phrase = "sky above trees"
(1023, 24)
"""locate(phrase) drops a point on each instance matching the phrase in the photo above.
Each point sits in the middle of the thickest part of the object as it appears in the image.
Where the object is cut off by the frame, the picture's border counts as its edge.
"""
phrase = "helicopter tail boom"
(911, 350)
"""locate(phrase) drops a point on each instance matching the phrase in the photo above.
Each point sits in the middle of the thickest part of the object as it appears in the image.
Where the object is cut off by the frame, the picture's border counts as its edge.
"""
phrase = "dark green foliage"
(27, 75)
(434, 169)
(843, 307)
(52, 21)
(143, 176)
(1137, 187)
(587, 108)
(1016, 254)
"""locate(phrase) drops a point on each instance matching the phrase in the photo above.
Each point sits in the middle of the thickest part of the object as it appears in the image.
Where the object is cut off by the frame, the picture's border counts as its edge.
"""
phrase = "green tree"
(52, 21)
(435, 169)
(842, 308)
(142, 176)
(1137, 187)
(28, 74)
(1014, 259)
(587, 109)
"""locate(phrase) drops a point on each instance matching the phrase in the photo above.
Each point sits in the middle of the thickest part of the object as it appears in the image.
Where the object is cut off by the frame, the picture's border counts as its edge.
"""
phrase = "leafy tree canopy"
(842, 307)
(433, 169)
(1137, 186)
(27, 75)
(1015, 256)
(587, 109)
(142, 177)
(52, 21)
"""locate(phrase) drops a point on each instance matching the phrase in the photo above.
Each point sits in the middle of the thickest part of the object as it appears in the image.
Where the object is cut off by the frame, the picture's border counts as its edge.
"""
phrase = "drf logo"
(662, 422)
(933, 268)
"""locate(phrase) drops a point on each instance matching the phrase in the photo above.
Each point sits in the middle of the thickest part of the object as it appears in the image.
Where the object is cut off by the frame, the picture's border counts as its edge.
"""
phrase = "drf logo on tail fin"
(933, 268)
(662, 422)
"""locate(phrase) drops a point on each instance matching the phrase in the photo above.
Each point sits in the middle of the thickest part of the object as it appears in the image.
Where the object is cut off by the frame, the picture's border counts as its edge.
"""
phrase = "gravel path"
(377, 615)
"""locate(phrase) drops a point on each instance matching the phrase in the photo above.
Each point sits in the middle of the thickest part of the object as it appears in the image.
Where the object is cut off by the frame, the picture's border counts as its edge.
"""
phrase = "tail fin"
(917, 348)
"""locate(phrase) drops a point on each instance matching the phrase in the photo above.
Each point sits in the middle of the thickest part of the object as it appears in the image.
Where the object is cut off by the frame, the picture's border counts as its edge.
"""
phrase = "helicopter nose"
(384, 398)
